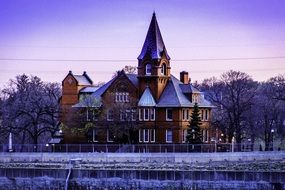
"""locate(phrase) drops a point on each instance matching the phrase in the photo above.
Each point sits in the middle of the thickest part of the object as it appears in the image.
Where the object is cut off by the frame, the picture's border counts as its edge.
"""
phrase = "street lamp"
(272, 132)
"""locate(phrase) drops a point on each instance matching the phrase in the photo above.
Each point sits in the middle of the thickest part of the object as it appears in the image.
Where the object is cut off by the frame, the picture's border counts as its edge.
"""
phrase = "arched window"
(148, 69)
(163, 69)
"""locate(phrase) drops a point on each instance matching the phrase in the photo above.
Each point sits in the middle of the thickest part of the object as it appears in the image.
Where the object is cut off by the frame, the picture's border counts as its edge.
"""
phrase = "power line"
(132, 60)
(110, 72)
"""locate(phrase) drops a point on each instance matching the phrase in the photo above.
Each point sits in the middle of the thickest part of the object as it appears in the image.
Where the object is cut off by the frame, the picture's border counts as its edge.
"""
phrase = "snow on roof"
(89, 89)
(147, 99)
(82, 80)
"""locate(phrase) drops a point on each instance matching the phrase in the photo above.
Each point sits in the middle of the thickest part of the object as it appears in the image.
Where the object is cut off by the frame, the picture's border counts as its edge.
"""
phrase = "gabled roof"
(82, 80)
(98, 93)
(175, 95)
(172, 96)
(147, 99)
(153, 44)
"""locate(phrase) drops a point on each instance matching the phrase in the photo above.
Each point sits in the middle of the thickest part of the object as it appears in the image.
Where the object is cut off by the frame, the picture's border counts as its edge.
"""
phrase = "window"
(195, 98)
(205, 134)
(202, 115)
(141, 135)
(133, 115)
(152, 135)
(95, 135)
(148, 69)
(89, 115)
(110, 115)
(146, 135)
(146, 114)
(92, 115)
(152, 114)
(188, 115)
(140, 114)
(168, 135)
(122, 97)
(185, 114)
(122, 116)
(184, 135)
(110, 136)
(163, 69)
(206, 115)
(168, 114)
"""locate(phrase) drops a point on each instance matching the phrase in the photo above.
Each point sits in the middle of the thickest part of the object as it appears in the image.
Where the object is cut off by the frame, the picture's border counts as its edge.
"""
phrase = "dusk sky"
(47, 38)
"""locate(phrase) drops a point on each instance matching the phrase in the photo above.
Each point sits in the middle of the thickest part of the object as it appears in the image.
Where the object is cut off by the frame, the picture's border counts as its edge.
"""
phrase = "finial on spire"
(153, 14)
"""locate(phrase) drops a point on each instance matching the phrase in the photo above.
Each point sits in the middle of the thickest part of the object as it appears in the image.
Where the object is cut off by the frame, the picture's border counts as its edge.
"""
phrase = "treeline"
(29, 109)
(246, 109)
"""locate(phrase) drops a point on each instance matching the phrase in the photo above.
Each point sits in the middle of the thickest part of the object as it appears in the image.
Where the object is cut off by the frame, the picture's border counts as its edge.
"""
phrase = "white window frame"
(108, 115)
(122, 116)
(146, 131)
(152, 135)
(94, 135)
(166, 135)
(163, 69)
(148, 68)
(188, 115)
(108, 136)
(133, 115)
(144, 114)
(166, 114)
(140, 114)
(206, 115)
(87, 115)
(141, 137)
(184, 135)
(152, 114)
(127, 97)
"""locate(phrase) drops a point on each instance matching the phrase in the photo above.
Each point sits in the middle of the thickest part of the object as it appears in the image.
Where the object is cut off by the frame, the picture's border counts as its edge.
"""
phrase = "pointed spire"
(153, 43)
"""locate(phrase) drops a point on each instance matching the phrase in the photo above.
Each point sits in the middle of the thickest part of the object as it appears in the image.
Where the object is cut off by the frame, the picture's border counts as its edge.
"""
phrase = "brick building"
(153, 105)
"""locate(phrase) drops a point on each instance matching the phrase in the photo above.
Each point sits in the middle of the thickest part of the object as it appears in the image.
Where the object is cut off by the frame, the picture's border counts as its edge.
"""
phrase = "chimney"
(184, 77)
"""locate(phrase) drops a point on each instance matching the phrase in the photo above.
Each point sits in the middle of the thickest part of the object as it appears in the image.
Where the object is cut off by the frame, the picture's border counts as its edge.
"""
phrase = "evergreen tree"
(194, 131)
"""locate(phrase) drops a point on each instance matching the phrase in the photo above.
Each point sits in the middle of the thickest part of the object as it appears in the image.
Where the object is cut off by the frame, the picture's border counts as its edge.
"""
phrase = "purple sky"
(193, 31)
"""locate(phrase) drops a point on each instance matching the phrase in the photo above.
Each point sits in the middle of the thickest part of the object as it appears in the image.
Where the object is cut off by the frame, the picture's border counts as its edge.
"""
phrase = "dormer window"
(148, 69)
(163, 69)
(195, 98)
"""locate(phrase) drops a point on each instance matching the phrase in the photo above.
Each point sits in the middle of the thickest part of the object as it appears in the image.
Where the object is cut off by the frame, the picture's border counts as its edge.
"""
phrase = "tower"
(153, 62)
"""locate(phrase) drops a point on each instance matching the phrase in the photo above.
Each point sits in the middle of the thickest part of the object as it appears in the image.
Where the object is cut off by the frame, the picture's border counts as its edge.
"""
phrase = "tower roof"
(147, 99)
(153, 44)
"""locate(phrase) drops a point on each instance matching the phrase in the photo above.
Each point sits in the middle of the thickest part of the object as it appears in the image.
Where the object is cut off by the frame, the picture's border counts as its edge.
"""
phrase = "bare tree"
(128, 69)
(30, 108)
(233, 96)
(278, 87)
